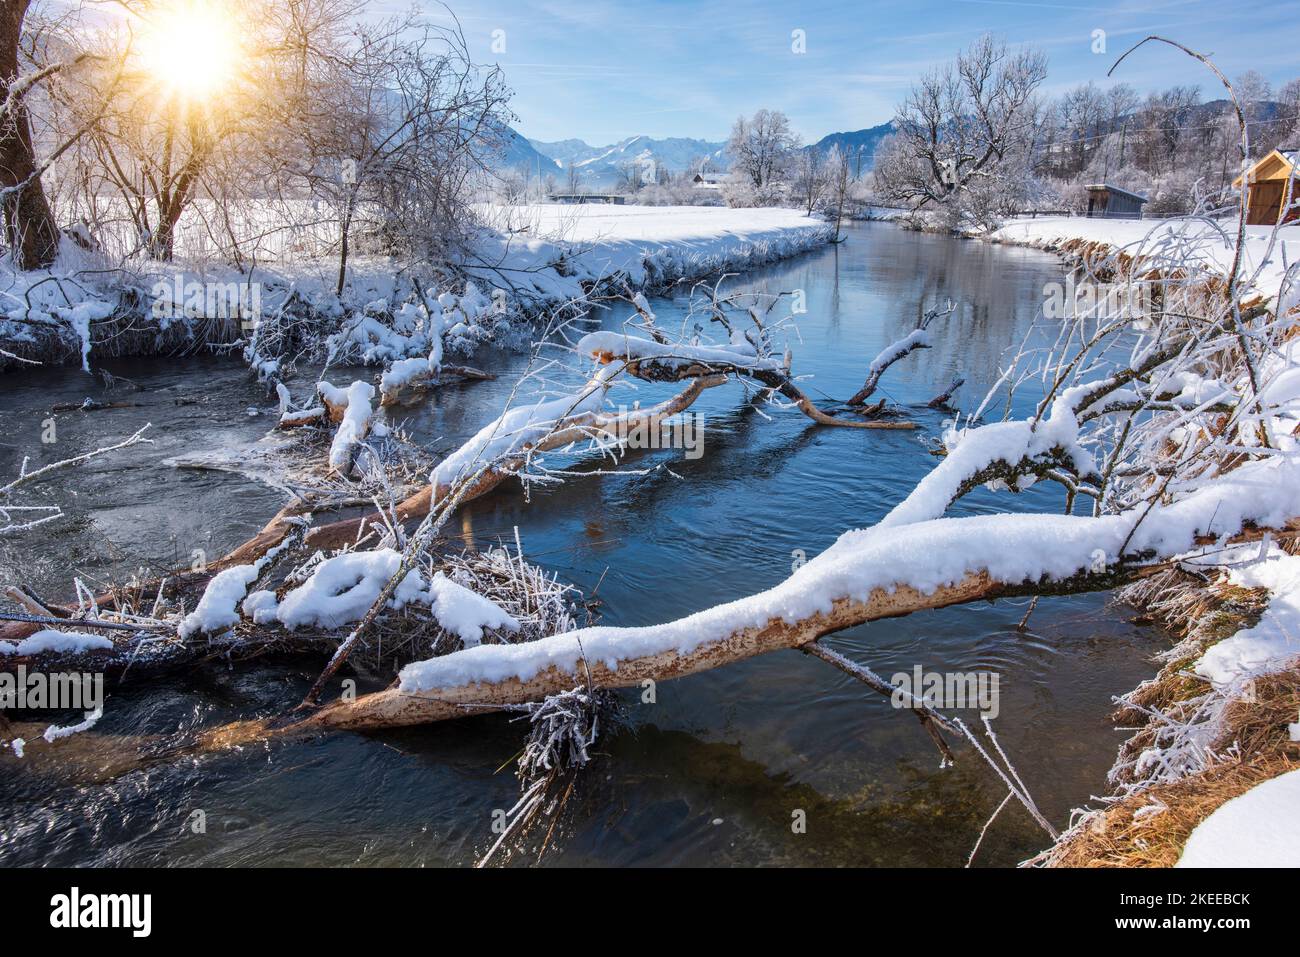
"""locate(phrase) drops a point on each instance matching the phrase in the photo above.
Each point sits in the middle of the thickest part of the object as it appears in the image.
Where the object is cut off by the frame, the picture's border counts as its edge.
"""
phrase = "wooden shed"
(580, 199)
(1111, 202)
(1266, 189)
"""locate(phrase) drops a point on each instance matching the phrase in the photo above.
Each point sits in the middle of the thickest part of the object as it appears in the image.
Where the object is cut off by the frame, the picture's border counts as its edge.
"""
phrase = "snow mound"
(216, 610)
(1275, 639)
(343, 588)
(50, 639)
(1260, 828)
(465, 613)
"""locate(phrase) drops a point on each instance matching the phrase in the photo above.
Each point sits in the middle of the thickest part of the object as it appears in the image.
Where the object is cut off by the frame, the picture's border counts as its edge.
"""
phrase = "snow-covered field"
(612, 225)
(653, 246)
(1265, 259)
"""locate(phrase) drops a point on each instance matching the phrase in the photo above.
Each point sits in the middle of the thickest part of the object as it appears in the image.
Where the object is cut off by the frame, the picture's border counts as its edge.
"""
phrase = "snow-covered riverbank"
(1210, 730)
(1264, 261)
(652, 247)
(536, 256)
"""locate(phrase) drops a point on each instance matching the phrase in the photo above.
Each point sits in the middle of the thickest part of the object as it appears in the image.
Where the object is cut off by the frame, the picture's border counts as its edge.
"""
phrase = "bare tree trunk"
(175, 194)
(30, 231)
(169, 215)
(345, 229)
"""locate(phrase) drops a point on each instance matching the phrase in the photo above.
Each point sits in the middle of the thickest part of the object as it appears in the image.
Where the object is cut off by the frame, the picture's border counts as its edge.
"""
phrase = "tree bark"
(395, 708)
(30, 230)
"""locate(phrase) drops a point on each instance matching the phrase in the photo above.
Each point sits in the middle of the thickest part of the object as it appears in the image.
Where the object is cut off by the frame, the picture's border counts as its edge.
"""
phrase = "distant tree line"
(976, 141)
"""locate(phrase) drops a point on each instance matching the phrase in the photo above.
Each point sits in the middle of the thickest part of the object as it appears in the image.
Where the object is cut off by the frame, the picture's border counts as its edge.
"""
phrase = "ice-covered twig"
(12, 519)
(24, 476)
(918, 338)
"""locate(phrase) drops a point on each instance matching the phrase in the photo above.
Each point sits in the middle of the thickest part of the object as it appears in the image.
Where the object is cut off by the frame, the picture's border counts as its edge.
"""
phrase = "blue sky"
(604, 70)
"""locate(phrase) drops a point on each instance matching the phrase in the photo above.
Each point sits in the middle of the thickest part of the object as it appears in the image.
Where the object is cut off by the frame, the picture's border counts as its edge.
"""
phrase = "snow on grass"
(611, 225)
(649, 246)
(52, 640)
(382, 317)
(1151, 239)
(1260, 828)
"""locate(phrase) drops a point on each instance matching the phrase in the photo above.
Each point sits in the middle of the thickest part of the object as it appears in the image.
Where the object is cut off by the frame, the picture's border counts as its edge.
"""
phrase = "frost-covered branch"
(918, 338)
(21, 518)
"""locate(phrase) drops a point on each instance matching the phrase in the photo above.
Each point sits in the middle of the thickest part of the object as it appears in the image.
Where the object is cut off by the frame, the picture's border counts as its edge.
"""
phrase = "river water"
(717, 769)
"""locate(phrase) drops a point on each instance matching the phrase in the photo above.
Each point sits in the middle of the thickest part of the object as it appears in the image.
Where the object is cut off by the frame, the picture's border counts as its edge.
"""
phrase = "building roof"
(1277, 164)
(1115, 189)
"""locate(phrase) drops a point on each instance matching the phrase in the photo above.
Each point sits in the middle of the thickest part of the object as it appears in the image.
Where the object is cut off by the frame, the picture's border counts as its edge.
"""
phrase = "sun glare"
(191, 48)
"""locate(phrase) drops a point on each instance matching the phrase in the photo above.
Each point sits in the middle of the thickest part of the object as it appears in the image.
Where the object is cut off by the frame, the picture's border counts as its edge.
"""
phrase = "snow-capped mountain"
(603, 164)
(600, 167)
(517, 152)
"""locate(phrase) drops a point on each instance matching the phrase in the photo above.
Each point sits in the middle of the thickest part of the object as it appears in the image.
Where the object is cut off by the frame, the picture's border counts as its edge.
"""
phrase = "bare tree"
(1254, 92)
(963, 123)
(762, 149)
(838, 181)
(410, 121)
(158, 146)
(810, 178)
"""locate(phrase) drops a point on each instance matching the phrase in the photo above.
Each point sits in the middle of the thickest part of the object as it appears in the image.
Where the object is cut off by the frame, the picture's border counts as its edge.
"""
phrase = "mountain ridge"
(602, 166)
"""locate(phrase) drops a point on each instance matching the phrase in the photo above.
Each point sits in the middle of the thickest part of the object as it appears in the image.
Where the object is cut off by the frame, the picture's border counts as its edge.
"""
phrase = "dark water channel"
(714, 770)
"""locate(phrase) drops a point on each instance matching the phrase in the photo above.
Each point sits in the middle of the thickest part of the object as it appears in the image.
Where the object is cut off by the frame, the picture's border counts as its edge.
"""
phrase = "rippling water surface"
(710, 774)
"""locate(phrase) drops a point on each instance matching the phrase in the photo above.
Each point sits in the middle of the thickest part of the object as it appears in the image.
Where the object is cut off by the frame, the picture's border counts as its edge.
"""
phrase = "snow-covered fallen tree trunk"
(409, 379)
(464, 695)
(880, 572)
(513, 447)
